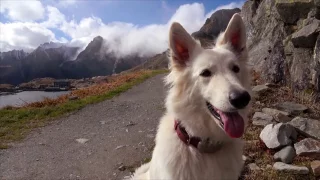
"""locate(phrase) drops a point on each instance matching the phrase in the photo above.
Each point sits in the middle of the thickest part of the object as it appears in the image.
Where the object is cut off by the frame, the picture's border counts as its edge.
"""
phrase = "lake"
(21, 98)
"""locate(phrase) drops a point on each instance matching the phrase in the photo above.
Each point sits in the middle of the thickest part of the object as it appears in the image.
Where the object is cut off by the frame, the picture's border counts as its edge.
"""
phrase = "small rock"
(273, 112)
(292, 108)
(82, 140)
(308, 147)
(261, 119)
(285, 155)
(280, 166)
(131, 124)
(151, 136)
(306, 126)
(72, 98)
(271, 85)
(315, 166)
(122, 168)
(260, 89)
(102, 122)
(122, 146)
(278, 135)
(253, 167)
(244, 158)
(268, 166)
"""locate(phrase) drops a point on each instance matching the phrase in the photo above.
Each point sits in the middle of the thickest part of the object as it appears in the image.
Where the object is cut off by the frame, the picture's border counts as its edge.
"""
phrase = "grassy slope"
(16, 122)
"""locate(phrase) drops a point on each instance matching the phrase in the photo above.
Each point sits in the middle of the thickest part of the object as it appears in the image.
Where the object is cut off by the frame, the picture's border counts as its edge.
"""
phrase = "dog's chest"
(225, 164)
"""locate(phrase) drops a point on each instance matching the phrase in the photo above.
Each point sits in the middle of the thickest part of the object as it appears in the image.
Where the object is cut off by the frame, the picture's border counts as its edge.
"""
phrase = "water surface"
(24, 97)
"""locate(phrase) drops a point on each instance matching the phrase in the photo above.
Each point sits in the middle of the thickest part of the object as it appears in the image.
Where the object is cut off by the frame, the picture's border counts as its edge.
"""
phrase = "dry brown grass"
(94, 90)
(256, 150)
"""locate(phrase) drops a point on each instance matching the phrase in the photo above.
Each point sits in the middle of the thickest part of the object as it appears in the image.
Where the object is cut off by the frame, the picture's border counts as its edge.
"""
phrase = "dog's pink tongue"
(233, 124)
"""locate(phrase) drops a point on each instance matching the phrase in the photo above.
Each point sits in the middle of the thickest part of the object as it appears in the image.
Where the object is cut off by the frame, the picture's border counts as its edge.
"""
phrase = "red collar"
(184, 136)
(207, 145)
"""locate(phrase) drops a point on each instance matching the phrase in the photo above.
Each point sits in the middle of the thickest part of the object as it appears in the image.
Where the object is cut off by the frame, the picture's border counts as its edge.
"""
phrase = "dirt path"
(116, 131)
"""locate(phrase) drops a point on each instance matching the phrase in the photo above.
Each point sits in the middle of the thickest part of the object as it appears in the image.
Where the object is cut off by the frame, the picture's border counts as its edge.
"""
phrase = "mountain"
(214, 26)
(46, 62)
(159, 61)
(11, 70)
(57, 60)
(95, 60)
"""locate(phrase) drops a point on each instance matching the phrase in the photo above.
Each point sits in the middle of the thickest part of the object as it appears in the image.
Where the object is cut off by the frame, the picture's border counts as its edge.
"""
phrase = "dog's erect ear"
(181, 44)
(235, 34)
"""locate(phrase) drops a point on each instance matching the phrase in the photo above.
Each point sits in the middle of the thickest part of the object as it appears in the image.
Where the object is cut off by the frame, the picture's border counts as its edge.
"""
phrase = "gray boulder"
(308, 147)
(307, 36)
(261, 119)
(291, 10)
(280, 166)
(285, 155)
(307, 127)
(292, 108)
(278, 135)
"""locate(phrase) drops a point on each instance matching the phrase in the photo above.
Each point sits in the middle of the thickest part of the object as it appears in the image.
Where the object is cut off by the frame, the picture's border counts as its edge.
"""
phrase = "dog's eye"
(205, 73)
(235, 68)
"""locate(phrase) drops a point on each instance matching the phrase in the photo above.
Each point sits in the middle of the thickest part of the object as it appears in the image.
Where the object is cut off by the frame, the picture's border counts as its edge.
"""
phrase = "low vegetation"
(16, 122)
(255, 149)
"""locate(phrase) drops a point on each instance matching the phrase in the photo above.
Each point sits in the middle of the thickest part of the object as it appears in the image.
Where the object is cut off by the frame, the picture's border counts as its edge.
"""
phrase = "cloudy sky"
(128, 26)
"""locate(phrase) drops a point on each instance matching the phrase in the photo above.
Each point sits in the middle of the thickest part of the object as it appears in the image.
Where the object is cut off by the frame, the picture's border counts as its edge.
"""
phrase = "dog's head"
(216, 77)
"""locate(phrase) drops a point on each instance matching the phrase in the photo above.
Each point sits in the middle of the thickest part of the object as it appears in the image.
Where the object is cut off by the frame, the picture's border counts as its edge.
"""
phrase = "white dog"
(207, 106)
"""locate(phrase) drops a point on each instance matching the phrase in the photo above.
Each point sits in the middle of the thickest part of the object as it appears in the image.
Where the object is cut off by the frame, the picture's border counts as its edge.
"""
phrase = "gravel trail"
(91, 143)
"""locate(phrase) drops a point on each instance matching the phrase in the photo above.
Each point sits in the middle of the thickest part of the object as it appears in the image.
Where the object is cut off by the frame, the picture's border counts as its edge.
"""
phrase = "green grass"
(16, 123)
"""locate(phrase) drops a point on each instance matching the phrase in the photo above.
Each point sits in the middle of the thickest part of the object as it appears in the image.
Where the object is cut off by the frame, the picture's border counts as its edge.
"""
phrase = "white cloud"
(55, 18)
(22, 10)
(125, 38)
(231, 5)
(27, 36)
(66, 3)
(121, 38)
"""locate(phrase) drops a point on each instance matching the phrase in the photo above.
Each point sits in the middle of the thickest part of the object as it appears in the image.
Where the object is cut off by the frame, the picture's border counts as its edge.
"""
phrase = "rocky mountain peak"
(49, 45)
(214, 26)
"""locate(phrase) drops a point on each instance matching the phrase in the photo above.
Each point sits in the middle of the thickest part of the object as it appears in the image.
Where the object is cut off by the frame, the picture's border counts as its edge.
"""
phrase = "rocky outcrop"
(283, 38)
(214, 25)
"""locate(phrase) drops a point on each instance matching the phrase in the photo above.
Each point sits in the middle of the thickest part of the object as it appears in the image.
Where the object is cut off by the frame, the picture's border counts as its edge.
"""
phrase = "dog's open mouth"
(231, 122)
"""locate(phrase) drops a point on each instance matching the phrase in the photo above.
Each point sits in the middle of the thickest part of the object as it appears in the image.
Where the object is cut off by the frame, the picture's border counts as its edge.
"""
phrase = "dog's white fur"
(172, 159)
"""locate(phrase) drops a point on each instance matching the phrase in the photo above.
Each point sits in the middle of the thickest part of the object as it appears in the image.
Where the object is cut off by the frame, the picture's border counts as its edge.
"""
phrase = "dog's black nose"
(239, 99)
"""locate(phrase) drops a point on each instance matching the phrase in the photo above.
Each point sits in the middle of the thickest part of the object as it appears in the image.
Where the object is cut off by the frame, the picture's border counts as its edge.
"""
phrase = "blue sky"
(76, 22)
(138, 12)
